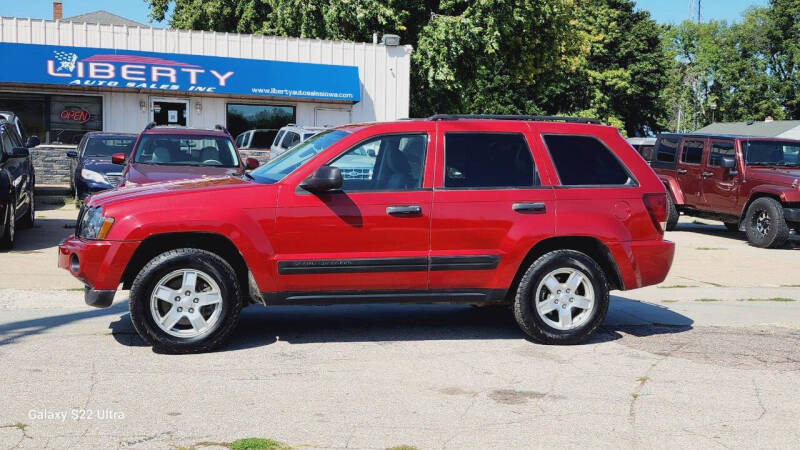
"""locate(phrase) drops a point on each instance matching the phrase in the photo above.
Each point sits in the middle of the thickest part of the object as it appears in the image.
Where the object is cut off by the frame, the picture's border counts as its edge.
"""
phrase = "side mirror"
(372, 153)
(251, 163)
(32, 141)
(727, 163)
(118, 158)
(72, 154)
(326, 178)
(19, 152)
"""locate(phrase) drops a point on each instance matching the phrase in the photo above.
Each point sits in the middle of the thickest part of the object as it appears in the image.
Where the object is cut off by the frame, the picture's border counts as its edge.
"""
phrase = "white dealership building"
(64, 78)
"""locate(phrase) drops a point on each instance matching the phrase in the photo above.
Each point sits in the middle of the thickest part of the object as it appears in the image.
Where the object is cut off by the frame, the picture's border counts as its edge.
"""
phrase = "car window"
(262, 139)
(390, 162)
(186, 150)
(8, 145)
(692, 152)
(666, 148)
(108, 145)
(585, 161)
(278, 138)
(307, 135)
(291, 139)
(239, 140)
(771, 153)
(718, 151)
(278, 168)
(487, 160)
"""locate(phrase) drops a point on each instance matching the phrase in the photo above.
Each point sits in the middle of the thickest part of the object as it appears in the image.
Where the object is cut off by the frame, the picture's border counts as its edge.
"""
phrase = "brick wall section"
(51, 164)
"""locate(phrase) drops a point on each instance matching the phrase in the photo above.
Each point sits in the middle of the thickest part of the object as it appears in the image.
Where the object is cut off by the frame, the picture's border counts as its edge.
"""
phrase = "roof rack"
(149, 125)
(514, 117)
(221, 128)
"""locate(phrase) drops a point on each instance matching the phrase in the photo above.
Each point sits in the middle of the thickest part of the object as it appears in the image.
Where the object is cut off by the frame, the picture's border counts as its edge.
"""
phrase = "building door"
(170, 111)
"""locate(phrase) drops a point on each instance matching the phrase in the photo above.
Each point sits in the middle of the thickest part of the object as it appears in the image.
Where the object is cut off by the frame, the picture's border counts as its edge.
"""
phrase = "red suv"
(546, 214)
(749, 183)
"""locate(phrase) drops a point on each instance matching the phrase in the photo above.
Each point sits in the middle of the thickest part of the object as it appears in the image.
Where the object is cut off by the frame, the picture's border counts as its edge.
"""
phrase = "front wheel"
(185, 301)
(765, 225)
(9, 230)
(562, 298)
(30, 217)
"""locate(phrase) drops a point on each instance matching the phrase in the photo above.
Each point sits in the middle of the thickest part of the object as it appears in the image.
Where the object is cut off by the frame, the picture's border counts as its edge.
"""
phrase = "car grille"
(114, 178)
(356, 174)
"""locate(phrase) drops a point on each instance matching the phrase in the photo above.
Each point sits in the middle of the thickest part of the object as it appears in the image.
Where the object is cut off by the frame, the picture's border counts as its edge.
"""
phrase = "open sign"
(76, 115)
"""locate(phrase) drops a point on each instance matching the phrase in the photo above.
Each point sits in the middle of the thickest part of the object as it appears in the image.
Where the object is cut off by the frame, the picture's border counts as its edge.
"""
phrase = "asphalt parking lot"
(709, 358)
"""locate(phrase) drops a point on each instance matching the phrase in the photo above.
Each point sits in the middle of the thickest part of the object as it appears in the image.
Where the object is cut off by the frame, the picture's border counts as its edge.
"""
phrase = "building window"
(56, 119)
(243, 117)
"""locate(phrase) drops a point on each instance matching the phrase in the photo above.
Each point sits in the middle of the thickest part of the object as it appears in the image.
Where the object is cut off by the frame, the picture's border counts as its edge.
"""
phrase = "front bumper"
(791, 214)
(98, 264)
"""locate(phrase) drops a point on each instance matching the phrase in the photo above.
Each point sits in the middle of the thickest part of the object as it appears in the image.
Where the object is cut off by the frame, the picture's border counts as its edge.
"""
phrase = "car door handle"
(682, 171)
(708, 174)
(408, 210)
(538, 207)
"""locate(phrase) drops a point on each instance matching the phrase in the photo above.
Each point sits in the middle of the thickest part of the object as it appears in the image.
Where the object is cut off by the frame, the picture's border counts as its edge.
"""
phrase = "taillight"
(656, 205)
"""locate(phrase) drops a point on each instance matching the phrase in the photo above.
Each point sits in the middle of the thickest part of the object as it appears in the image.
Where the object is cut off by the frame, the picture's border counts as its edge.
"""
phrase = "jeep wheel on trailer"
(765, 224)
(562, 298)
(185, 301)
(672, 213)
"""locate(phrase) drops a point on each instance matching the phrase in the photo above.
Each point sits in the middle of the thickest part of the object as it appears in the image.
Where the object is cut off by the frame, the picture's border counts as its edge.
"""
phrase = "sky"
(664, 11)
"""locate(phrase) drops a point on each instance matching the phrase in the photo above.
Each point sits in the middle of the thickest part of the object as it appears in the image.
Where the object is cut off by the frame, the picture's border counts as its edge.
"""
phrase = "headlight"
(93, 225)
(91, 175)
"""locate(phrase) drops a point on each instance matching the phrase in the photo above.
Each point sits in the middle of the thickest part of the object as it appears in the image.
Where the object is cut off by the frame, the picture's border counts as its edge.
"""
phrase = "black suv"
(17, 205)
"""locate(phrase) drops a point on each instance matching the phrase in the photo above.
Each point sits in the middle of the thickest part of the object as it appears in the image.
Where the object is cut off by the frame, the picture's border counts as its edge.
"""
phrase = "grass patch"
(241, 444)
(402, 447)
(711, 248)
(707, 300)
(790, 285)
(19, 425)
(773, 299)
(643, 380)
(677, 286)
(55, 201)
(669, 301)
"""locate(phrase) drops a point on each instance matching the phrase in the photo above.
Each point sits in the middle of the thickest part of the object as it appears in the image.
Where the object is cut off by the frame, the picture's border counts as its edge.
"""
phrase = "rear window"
(585, 161)
(291, 139)
(692, 152)
(666, 148)
(487, 160)
(278, 137)
(262, 139)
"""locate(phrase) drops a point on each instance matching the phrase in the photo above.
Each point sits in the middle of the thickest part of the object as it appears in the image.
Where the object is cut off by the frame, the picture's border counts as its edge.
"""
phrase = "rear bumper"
(643, 263)
(98, 264)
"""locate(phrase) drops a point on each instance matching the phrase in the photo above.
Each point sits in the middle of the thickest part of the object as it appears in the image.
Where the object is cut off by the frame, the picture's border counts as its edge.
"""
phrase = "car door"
(370, 237)
(487, 198)
(721, 186)
(689, 171)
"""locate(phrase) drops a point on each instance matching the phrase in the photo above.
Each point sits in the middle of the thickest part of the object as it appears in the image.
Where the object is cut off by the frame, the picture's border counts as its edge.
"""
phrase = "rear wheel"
(30, 217)
(672, 213)
(765, 225)
(562, 298)
(185, 301)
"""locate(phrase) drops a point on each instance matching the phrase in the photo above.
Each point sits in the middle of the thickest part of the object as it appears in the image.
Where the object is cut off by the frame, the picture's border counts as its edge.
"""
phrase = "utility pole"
(696, 10)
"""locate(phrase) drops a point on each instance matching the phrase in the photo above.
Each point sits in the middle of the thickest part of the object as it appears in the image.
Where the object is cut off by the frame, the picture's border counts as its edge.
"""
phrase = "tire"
(732, 226)
(212, 274)
(9, 229)
(765, 225)
(672, 213)
(532, 290)
(30, 217)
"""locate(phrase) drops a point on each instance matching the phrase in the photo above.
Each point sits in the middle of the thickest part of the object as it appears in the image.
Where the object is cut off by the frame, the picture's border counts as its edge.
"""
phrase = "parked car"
(748, 183)
(19, 128)
(17, 179)
(90, 164)
(259, 139)
(643, 145)
(176, 153)
(289, 136)
(479, 223)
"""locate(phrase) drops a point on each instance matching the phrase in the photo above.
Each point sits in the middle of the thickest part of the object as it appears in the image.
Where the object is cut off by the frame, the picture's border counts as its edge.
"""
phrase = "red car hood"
(151, 173)
(153, 189)
(774, 175)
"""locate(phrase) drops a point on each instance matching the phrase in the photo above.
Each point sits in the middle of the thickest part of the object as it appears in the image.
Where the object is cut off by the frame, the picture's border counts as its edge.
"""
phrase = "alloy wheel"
(186, 303)
(565, 298)
(761, 222)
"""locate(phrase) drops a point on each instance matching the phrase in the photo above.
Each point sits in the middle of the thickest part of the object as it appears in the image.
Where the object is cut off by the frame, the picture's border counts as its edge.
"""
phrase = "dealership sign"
(125, 69)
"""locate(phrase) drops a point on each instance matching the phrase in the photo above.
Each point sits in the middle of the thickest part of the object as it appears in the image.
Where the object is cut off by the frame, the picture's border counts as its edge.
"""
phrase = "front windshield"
(105, 146)
(278, 168)
(186, 150)
(772, 153)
